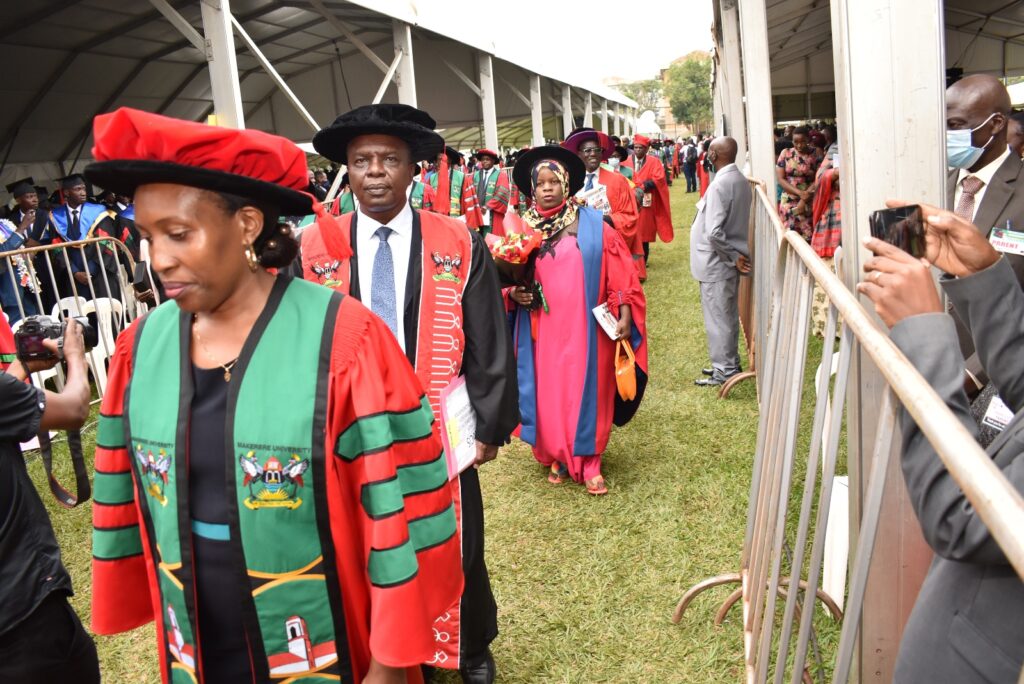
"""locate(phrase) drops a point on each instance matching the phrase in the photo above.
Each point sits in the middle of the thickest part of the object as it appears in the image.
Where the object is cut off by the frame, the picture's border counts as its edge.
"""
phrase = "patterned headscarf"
(551, 221)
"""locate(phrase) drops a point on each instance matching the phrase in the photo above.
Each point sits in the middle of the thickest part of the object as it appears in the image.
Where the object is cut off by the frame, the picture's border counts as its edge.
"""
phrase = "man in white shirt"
(400, 242)
(485, 182)
(433, 282)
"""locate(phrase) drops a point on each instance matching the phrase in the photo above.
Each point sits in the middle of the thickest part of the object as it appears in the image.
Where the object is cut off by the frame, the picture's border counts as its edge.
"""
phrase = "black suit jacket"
(37, 227)
(1003, 201)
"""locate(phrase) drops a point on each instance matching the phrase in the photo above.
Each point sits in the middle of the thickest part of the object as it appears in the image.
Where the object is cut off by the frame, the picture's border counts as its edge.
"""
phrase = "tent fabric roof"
(981, 36)
(68, 60)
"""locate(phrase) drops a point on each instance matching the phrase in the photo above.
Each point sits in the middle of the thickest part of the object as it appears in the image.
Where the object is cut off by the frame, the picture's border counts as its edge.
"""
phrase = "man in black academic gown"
(26, 215)
(23, 219)
(79, 219)
(381, 145)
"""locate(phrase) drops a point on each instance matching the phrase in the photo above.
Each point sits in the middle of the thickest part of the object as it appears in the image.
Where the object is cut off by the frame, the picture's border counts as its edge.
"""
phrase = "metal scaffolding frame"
(258, 55)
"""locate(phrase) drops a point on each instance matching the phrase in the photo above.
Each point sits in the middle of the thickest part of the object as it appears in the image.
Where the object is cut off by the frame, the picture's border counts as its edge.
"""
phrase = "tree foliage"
(688, 89)
(646, 93)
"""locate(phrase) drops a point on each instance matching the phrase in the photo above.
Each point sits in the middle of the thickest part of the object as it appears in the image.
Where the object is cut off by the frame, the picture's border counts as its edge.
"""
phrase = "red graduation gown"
(656, 220)
(624, 213)
(369, 376)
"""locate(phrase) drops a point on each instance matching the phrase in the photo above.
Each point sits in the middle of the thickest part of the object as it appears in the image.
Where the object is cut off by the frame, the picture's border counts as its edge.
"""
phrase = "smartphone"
(141, 280)
(902, 227)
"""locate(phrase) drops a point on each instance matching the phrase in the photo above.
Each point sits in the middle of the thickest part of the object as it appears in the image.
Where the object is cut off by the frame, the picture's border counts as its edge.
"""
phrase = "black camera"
(28, 341)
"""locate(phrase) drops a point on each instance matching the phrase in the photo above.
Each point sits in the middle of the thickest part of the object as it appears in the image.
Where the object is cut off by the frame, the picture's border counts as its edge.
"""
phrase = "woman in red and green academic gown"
(269, 488)
(566, 362)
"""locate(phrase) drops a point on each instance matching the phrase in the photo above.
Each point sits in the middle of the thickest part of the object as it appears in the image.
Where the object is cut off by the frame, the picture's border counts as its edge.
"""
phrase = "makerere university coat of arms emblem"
(273, 484)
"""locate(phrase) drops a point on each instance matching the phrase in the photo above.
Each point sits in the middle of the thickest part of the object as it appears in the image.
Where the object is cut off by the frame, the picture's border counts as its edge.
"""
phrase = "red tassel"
(334, 237)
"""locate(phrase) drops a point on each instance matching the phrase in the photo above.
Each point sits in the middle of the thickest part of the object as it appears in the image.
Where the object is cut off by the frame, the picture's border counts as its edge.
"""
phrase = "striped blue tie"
(590, 183)
(382, 283)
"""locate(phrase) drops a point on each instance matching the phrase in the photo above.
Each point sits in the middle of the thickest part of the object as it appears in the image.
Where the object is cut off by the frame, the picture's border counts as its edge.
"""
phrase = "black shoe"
(708, 382)
(481, 673)
(708, 371)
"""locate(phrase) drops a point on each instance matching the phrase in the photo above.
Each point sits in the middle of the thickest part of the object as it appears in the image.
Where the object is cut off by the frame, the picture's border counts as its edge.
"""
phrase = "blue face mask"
(960, 151)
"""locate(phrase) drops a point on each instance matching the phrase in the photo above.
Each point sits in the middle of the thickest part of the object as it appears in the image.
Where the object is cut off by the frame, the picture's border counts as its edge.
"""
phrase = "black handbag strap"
(82, 487)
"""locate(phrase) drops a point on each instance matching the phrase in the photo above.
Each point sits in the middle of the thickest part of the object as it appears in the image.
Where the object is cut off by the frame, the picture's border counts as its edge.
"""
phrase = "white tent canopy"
(980, 36)
(68, 60)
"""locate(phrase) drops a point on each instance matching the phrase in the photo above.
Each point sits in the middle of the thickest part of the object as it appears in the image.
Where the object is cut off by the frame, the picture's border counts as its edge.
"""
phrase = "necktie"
(481, 189)
(969, 188)
(382, 282)
(74, 233)
(590, 183)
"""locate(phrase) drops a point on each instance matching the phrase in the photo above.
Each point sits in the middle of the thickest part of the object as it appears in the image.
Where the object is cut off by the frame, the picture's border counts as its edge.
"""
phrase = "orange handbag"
(625, 370)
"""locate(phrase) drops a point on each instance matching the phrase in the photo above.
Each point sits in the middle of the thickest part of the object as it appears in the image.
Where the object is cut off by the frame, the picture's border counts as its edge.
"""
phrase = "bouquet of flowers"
(514, 255)
(515, 248)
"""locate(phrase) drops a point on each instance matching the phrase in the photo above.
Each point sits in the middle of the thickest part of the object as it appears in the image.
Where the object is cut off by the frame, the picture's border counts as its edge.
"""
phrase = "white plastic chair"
(69, 306)
(109, 320)
(105, 310)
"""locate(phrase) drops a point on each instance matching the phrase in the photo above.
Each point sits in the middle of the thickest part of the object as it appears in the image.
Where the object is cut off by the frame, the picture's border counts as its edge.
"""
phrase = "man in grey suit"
(984, 186)
(718, 255)
(968, 622)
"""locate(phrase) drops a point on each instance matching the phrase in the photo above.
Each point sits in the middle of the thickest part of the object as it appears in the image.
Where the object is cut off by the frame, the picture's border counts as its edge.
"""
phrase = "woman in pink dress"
(566, 362)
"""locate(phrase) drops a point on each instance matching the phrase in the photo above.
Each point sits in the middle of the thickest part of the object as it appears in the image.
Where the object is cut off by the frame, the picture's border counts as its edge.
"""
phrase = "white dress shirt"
(401, 247)
(597, 182)
(984, 174)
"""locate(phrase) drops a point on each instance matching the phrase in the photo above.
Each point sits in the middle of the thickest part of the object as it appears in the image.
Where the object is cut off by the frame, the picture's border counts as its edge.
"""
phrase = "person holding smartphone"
(967, 622)
(41, 637)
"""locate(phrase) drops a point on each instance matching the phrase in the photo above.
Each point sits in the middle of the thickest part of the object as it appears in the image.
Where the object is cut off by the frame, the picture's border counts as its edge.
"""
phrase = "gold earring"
(251, 258)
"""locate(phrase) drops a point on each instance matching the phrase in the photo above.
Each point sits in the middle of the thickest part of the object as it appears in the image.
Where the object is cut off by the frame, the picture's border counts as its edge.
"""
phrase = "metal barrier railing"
(43, 274)
(786, 269)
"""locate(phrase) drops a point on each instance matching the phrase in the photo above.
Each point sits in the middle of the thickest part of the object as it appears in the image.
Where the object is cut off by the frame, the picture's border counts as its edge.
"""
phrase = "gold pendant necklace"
(226, 366)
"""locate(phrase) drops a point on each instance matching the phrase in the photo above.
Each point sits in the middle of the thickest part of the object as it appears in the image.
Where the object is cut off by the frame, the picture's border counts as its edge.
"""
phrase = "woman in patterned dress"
(796, 170)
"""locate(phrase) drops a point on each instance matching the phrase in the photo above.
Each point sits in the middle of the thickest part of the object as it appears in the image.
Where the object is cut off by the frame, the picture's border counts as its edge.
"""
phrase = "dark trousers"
(479, 610)
(690, 171)
(647, 252)
(49, 646)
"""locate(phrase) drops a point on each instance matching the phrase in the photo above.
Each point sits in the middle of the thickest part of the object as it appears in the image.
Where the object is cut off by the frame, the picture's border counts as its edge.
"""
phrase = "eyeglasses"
(590, 150)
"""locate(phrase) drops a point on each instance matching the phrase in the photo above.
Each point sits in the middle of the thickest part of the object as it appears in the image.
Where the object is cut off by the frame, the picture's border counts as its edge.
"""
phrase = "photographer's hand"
(74, 341)
(70, 409)
(952, 244)
(22, 369)
(899, 285)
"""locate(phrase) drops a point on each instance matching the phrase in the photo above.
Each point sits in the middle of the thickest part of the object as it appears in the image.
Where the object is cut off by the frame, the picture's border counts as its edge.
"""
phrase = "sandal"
(596, 486)
(558, 473)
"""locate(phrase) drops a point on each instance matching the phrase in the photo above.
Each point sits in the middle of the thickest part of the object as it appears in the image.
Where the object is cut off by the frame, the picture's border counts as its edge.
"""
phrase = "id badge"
(998, 415)
(648, 199)
(1007, 241)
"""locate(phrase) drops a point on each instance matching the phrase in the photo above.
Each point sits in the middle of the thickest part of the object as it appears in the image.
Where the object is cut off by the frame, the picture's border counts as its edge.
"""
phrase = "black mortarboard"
(453, 155)
(412, 125)
(21, 187)
(68, 182)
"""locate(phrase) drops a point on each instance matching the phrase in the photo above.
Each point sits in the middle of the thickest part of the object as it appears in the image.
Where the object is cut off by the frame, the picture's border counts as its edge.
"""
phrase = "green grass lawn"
(586, 586)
